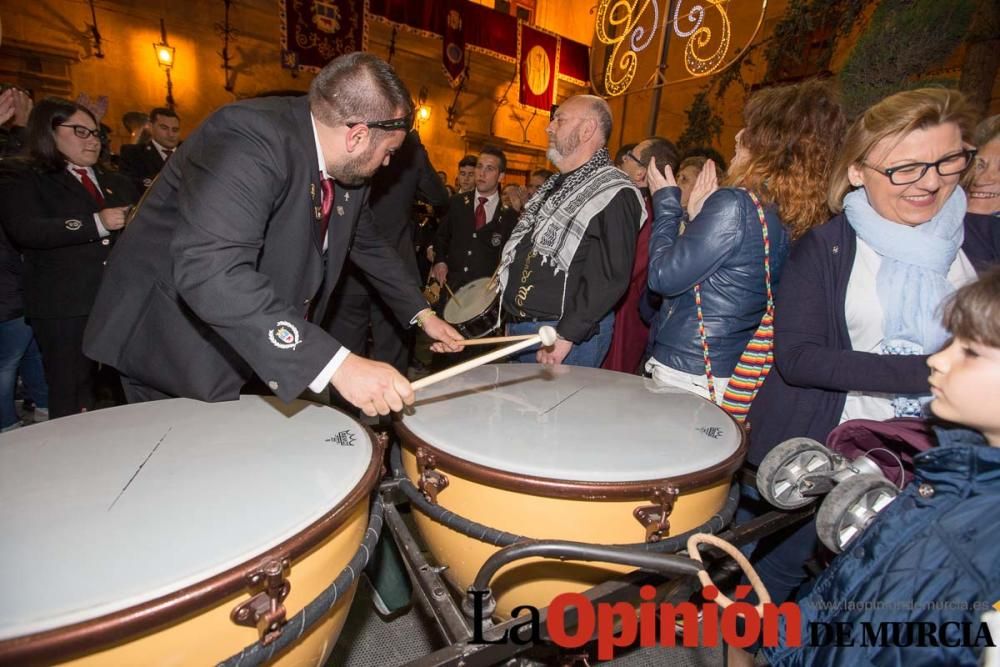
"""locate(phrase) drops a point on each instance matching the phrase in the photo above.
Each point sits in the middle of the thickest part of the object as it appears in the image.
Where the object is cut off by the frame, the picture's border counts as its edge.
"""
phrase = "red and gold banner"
(314, 32)
(538, 63)
(574, 62)
(453, 46)
(484, 30)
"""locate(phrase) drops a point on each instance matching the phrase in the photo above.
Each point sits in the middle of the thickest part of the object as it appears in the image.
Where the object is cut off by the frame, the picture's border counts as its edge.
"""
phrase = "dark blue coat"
(935, 543)
(815, 366)
(723, 249)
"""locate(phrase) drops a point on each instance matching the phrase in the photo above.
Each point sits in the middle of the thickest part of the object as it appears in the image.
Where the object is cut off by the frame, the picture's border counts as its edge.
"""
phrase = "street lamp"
(165, 59)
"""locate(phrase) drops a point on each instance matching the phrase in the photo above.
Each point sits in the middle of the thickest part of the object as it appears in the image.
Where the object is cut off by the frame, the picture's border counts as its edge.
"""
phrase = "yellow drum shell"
(209, 636)
(579, 514)
(176, 630)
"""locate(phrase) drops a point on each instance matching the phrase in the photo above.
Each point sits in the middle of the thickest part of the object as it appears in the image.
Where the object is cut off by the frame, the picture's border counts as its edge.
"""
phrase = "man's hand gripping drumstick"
(546, 336)
(379, 389)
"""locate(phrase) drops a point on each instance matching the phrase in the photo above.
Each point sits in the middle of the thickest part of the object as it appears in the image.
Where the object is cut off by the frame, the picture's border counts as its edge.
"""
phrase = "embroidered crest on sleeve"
(284, 336)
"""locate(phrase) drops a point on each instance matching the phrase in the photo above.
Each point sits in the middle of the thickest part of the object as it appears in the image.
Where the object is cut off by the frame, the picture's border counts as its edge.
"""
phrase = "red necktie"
(481, 213)
(327, 206)
(89, 185)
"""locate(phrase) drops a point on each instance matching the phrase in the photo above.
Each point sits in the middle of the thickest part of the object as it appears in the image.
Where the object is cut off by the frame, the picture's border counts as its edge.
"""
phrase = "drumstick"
(494, 276)
(546, 336)
(493, 340)
(447, 287)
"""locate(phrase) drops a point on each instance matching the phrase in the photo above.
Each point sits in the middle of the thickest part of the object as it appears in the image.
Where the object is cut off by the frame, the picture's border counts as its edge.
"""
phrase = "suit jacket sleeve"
(385, 269)
(430, 186)
(28, 222)
(130, 166)
(442, 240)
(803, 353)
(232, 181)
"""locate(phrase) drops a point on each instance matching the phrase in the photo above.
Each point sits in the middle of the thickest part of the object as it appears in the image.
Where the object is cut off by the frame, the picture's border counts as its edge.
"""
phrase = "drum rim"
(99, 633)
(577, 489)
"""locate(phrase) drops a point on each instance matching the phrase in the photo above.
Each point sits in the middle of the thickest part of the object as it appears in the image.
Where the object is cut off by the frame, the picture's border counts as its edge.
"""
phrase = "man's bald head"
(579, 128)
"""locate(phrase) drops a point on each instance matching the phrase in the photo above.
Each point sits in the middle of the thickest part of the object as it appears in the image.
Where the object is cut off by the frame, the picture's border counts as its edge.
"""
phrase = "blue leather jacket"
(929, 557)
(723, 249)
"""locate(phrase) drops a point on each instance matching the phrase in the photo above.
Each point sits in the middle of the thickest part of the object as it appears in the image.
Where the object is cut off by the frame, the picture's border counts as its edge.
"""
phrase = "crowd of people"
(277, 246)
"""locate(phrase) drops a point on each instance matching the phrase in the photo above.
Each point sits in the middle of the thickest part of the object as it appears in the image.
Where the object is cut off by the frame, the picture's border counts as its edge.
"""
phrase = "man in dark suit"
(235, 250)
(471, 236)
(142, 162)
(356, 305)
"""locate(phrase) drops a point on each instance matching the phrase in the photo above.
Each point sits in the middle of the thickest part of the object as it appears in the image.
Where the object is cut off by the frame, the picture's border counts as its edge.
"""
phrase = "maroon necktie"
(89, 185)
(481, 213)
(167, 152)
(327, 206)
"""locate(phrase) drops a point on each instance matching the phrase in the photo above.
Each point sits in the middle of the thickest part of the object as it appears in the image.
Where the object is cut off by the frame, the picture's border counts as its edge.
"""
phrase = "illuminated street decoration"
(622, 59)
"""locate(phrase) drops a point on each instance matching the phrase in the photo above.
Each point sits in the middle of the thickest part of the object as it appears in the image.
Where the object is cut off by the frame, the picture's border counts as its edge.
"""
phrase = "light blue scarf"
(912, 281)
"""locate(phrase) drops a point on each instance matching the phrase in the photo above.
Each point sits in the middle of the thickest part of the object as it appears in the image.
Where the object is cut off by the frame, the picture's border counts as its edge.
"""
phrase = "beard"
(558, 150)
(355, 171)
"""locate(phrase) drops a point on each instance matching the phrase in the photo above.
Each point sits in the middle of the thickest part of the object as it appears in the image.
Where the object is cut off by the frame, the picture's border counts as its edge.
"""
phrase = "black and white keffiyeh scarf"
(558, 222)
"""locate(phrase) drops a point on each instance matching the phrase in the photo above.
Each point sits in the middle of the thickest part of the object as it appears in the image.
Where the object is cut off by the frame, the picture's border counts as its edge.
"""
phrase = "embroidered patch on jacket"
(73, 225)
(495, 240)
(284, 336)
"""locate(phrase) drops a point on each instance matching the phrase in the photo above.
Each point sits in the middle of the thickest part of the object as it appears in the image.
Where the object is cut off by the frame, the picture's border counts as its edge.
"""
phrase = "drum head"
(109, 509)
(573, 423)
(474, 298)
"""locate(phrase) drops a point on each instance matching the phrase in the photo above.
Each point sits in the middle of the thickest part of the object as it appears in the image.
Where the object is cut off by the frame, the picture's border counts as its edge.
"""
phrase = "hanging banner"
(538, 63)
(314, 32)
(484, 30)
(453, 47)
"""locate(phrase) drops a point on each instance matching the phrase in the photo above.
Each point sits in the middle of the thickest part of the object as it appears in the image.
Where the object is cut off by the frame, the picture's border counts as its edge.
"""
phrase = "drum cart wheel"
(782, 475)
(850, 507)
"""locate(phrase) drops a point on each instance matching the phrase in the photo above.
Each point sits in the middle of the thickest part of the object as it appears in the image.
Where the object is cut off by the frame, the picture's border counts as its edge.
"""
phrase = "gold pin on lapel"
(340, 210)
(347, 197)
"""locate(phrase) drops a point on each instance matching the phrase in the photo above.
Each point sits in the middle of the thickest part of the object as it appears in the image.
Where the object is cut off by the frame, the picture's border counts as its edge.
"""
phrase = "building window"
(524, 10)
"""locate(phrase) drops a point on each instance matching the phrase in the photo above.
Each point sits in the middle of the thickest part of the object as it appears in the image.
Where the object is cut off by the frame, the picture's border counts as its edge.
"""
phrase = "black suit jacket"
(393, 189)
(49, 217)
(141, 163)
(216, 274)
(471, 254)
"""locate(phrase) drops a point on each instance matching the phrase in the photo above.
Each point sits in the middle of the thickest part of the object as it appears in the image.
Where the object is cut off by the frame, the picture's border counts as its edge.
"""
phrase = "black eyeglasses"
(401, 123)
(81, 131)
(949, 165)
(631, 155)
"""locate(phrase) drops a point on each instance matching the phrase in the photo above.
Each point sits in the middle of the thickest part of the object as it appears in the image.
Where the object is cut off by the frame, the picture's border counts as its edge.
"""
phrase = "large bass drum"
(133, 536)
(563, 453)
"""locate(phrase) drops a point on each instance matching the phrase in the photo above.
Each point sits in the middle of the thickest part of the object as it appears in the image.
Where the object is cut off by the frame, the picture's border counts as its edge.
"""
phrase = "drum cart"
(445, 605)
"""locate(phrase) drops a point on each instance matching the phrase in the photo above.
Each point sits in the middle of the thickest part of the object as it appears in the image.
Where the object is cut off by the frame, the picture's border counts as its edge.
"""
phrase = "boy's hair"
(973, 312)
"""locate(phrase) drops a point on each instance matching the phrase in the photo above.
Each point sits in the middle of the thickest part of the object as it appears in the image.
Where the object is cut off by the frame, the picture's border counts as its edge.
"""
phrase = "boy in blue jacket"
(912, 588)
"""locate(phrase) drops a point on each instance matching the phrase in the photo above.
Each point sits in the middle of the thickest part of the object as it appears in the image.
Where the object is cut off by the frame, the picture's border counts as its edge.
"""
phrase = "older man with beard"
(232, 256)
(569, 259)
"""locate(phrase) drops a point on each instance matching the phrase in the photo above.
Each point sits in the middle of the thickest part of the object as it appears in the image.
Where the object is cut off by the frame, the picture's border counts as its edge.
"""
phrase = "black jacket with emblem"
(49, 217)
(141, 163)
(471, 253)
(215, 276)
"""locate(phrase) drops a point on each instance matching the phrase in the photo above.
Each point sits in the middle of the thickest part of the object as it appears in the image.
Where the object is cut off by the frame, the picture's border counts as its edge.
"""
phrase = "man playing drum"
(470, 237)
(234, 251)
(570, 257)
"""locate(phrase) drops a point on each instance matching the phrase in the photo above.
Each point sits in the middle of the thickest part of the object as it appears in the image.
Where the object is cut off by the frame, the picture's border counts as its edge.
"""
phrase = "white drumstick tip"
(547, 335)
